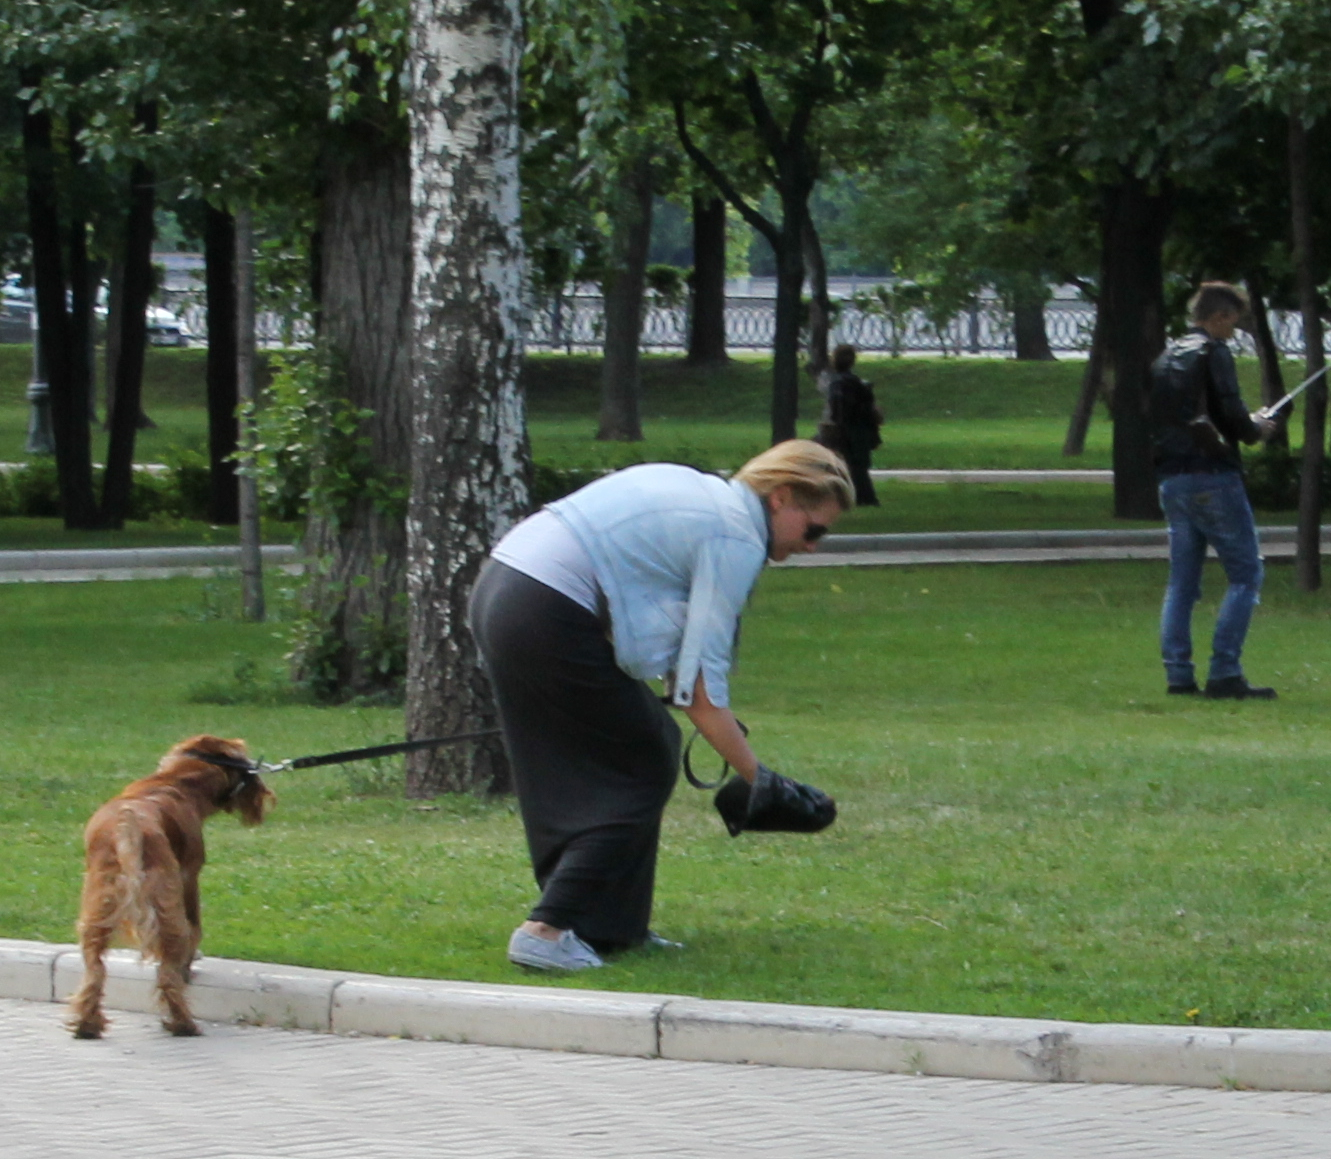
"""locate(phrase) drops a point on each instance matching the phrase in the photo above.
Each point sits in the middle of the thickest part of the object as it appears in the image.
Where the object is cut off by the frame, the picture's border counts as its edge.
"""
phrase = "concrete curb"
(1026, 540)
(696, 1029)
(990, 475)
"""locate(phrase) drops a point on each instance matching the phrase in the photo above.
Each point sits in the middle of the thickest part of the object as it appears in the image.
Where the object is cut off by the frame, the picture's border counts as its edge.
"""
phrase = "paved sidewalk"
(252, 1093)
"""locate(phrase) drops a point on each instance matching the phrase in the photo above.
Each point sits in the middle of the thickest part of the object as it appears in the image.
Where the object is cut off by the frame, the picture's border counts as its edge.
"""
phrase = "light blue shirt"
(676, 554)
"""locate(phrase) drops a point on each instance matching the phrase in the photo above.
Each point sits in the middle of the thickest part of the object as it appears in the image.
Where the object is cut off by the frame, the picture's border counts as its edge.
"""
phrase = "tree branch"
(723, 185)
(767, 126)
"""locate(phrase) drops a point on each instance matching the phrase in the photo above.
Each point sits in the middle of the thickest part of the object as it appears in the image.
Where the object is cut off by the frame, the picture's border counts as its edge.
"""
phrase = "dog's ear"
(253, 801)
(207, 743)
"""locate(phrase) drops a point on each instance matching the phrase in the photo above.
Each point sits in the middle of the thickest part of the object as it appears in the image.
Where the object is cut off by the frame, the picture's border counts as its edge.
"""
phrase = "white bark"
(469, 444)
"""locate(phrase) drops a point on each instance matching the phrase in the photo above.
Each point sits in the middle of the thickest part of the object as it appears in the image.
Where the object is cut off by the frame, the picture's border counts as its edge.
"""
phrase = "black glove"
(773, 803)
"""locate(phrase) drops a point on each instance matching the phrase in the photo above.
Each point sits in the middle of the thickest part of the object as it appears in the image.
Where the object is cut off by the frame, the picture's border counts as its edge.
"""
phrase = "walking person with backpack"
(851, 422)
(1199, 418)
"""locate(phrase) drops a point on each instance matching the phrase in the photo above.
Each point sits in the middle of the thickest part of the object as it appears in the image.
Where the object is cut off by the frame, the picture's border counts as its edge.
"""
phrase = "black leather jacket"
(1191, 369)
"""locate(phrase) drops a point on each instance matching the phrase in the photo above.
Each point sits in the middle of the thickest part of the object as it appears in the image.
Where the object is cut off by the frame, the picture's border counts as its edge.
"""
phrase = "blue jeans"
(1207, 509)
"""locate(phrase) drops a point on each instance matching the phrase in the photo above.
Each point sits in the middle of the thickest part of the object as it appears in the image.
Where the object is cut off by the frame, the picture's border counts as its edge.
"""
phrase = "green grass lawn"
(1028, 825)
(31, 534)
(941, 413)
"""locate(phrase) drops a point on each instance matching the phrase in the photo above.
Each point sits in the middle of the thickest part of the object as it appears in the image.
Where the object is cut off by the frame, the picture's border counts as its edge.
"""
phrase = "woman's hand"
(720, 730)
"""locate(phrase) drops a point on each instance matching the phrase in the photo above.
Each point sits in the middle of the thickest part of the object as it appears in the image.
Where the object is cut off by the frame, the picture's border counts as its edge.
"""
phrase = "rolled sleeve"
(724, 573)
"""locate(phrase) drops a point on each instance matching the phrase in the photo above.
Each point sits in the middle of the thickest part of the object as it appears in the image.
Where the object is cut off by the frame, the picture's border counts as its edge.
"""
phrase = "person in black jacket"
(850, 423)
(1199, 418)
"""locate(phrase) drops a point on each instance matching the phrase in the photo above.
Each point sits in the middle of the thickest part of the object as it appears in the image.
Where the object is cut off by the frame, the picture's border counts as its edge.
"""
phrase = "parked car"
(15, 312)
(166, 328)
(16, 305)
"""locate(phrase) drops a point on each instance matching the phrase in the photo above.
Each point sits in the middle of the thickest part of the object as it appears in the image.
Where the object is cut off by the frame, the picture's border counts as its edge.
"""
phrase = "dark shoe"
(1184, 689)
(1237, 688)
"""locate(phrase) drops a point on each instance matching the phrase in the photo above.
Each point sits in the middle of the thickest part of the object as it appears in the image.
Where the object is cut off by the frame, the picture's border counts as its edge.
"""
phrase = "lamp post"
(39, 441)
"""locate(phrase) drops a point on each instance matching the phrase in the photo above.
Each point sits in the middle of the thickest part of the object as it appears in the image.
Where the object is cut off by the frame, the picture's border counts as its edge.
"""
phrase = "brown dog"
(144, 854)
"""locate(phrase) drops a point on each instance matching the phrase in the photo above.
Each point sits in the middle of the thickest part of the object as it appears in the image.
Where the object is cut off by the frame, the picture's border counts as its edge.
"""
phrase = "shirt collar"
(757, 511)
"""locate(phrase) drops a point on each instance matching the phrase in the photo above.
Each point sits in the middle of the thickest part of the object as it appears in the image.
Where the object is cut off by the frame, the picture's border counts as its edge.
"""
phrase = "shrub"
(1273, 479)
(36, 488)
(191, 481)
(551, 483)
(6, 496)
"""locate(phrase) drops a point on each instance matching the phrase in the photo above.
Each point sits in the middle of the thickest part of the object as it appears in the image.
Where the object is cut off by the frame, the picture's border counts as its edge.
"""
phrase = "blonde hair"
(812, 472)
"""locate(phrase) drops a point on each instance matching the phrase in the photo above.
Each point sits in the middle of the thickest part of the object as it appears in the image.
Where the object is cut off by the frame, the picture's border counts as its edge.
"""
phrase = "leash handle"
(689, 774)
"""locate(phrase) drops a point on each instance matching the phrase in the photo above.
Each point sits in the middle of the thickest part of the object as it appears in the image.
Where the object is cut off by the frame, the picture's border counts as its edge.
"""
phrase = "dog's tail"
(135, 908)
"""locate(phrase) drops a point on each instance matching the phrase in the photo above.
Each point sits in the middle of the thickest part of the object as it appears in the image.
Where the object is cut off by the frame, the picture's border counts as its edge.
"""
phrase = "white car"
(166, 329)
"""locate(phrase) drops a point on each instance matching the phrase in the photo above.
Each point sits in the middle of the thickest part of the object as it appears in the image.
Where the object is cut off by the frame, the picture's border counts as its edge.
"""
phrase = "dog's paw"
(89, 1030)
(183, 1029)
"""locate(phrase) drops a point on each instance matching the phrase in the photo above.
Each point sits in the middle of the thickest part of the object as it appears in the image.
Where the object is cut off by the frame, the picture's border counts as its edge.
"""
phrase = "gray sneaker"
(654, 941)
(570, 952)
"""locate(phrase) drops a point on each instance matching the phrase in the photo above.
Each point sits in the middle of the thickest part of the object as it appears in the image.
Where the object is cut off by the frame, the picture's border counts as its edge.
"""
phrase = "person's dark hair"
(1212, 298)
(843, 358)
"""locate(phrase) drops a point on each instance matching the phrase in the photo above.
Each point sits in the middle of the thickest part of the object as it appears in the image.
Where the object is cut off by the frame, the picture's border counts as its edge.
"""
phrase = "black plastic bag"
(773, 804)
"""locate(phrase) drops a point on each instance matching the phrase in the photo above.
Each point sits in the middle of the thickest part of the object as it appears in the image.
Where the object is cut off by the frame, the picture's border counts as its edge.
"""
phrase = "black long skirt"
(594, 754)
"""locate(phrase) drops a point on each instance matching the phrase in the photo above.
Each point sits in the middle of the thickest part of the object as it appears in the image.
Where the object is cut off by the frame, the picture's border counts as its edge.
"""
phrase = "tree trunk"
(251, 524)
(820, 305)
(1135, 222)
(219, 255)
(470, 457)
(69, 409)
(707, 328)
(357, 594)
(118, 481)
(1309, 550)
(1032, 340)
(115, 301)
(1268, 355)
(786, 339)
(622, 289)
(1092, 383)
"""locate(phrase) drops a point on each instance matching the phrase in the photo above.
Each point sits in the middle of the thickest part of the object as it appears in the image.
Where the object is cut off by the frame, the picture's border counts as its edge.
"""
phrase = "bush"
(36, 489)
(33, 490)
(551, 483)
(1273, 479)
(191, 481)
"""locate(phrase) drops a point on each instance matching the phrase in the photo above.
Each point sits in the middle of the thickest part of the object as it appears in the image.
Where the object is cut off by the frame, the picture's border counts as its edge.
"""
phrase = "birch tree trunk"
(470, 459)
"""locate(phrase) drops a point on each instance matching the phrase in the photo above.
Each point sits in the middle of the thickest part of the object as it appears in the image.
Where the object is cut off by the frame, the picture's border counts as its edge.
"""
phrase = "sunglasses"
(814, 532)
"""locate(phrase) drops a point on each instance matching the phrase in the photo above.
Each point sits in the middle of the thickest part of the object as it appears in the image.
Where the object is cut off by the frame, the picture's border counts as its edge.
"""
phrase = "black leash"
(341, 758)
(689, 774)
(380, 750)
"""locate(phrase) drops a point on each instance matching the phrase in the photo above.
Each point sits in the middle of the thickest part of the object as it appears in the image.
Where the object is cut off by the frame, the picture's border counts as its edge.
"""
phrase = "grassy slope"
(1028, 826)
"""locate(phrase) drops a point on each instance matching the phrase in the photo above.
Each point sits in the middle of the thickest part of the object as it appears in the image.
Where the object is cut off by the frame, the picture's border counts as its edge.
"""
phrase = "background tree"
(770, 71)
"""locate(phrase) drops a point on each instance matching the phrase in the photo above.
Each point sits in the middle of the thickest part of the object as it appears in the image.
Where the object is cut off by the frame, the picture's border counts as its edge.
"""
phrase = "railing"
(577, 323)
